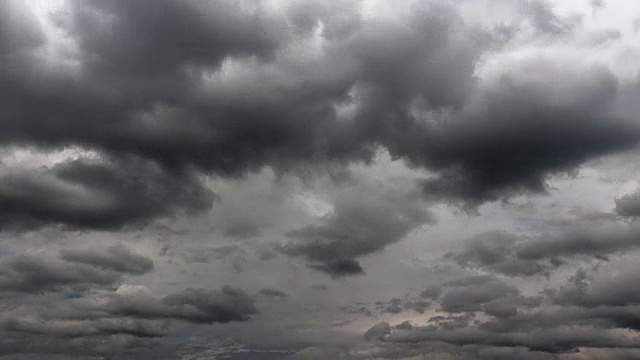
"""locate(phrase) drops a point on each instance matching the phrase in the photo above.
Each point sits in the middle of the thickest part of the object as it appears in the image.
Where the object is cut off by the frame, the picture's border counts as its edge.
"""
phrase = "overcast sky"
(311, 179)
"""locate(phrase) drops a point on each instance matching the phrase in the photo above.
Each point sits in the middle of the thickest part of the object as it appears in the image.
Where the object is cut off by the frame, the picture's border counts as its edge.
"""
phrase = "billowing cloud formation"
(182, 94)
(38, 274)
(357, 226)
(273, 293)
(536, 118)
(194, 305)
(117, 258)
(90, 194)
(628, 205)
(108, 324)
(513, 255)
(601, 289)
(92, 320)
(489, 316)
(510, 323)
(74, 269)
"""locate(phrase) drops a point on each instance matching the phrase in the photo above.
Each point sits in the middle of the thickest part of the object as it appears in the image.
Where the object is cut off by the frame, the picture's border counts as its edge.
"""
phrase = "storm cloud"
(356, 227)
(513, 255)
(117, 258)
(523, 127)
(165, 97)
(96, 195)
(111, 324)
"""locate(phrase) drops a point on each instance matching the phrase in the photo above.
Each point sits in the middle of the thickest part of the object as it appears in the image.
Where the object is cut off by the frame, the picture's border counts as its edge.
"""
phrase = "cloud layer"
(373, 180)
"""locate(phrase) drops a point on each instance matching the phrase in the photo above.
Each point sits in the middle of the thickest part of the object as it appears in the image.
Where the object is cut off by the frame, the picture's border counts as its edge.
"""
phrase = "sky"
(309, 179)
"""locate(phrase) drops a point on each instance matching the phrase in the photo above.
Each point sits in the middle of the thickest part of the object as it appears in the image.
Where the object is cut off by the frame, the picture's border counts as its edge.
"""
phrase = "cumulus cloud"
(523, 126)
(600, 289)
(356, 227)
(110, 324)
(510, 323)
(91, 194)
(180, 98)
(156, 80)
(628, 205)
(194, 305)
(72, 269)
(519, 255)
(273, 293)
(117, 258)
(37, 274)
(378, 331)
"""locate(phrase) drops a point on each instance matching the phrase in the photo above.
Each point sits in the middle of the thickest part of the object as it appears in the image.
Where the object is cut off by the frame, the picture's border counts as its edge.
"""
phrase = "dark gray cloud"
(86, 193)
(173, 36)
(431, 292)
(496, 252)
(273, 293)
(584, 289)
(242, 231)
(398, 305)
(405, 325)
(337, 268)
(37, 274)
(192, 305)
(356, 309)
(315, 353)
(507, 144)
(514, 255)
(477, 293)
(164, 94)
(234, 253)
(73, 269)
(393, 307)
(68, 329)
(487, 317)
(589, 241)
(37, 291)
(44, 346)
(116, 258)
(378, 331)
(232, 256)
(356, 227)
(510, 323)
(144, 94)
(628, 205)
(116, 323)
